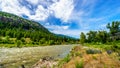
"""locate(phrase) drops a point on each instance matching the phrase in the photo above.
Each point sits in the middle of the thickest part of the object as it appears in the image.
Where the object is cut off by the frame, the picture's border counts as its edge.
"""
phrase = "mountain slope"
(16, 30)
(13, 21)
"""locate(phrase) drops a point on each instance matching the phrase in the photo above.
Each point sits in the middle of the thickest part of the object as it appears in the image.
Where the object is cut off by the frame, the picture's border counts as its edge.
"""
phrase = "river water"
(28, 56)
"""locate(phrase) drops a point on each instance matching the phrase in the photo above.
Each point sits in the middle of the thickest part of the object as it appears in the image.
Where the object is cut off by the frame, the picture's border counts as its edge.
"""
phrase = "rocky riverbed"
(28, 56)
(46, 62)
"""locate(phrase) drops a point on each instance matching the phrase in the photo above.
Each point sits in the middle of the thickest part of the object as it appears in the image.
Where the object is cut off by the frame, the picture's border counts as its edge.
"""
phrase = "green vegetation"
(79, 64)
(67, 58)
(94, 56)
(102, 37)
(102, 45)
(114, 47)
(19, 43)
(93, 51)
(83, 38)
(23, 32)
(64, 60)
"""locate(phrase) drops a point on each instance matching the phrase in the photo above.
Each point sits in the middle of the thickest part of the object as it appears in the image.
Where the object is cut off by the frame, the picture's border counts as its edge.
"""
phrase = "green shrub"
(79, 64)
(115, 48)
(0, 38)
(23, 39)
(93, 51)
(94, 57)
(78, 54)
(51, 42)
(67, 58)
(7, 38)
(19, 43)
(119, 58)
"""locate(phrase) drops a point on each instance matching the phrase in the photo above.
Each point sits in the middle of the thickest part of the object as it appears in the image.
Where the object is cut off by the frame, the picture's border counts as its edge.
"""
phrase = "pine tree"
(82, 38)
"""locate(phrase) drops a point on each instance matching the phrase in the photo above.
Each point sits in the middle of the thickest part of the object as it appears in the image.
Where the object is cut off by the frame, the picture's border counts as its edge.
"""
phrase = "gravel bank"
(15, 57)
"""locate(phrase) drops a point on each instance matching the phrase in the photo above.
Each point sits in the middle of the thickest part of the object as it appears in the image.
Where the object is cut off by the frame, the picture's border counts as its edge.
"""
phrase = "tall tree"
(114, 30)
(82, 38)
(114, 27)
(91, 36)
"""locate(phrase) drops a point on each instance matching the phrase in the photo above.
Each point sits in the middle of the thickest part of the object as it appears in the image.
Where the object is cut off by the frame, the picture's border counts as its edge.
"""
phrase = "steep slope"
(13, 21)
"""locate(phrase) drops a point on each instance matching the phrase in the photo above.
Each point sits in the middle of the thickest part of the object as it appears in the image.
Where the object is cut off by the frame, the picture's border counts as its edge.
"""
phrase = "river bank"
(15, 57)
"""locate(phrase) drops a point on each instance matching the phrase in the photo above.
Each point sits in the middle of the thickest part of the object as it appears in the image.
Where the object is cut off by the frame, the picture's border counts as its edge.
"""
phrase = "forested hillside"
(20, 31)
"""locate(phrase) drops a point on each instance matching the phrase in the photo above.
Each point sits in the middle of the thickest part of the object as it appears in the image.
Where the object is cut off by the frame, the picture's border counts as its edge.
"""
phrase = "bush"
(19, 43)
(92, 51)
(23, 39)
(79, 64)
(78, 54)
(115, 48)
(67, 58)
(51, 42)
(0, 38)
(7, 38)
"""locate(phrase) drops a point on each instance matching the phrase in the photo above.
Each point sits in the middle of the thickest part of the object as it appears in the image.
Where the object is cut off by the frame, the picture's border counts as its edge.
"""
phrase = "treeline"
(36, 37)
(19, 31)
(102, 36)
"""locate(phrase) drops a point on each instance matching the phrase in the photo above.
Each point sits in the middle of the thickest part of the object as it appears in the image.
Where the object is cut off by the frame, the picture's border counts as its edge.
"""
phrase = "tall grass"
(65, 60)
(79, 64)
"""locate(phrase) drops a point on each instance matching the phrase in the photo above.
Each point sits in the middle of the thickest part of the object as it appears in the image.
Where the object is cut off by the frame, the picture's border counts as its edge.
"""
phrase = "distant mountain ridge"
(14, 21)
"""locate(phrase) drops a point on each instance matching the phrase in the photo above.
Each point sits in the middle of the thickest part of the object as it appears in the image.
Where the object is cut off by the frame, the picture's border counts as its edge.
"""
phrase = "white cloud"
(13, 7)
(62, 9)
(73, 33)
(40, 14)
(65, 30)
(16, 8)
(33, 1)
(65, 27)
(88, 3)
(56, 27)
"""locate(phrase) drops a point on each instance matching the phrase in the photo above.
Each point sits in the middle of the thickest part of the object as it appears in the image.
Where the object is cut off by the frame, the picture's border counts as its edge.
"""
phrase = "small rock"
(47, 58)
(1, 66)
(22, 66)
(109, 51)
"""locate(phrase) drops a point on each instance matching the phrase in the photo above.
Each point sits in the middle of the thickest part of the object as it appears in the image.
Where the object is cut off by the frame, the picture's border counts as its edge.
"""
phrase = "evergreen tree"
(114, 30)
(114, 27)
(82, 38)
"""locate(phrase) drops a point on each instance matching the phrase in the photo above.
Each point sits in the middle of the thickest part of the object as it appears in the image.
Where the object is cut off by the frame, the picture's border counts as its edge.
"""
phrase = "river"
(15, 57)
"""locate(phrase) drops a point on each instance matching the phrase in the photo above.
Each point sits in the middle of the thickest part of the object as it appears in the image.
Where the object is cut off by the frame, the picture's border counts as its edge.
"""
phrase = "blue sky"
(68, 17)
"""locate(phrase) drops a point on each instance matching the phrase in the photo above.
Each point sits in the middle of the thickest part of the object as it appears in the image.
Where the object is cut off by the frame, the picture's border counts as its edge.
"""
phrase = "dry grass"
(102, 60)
